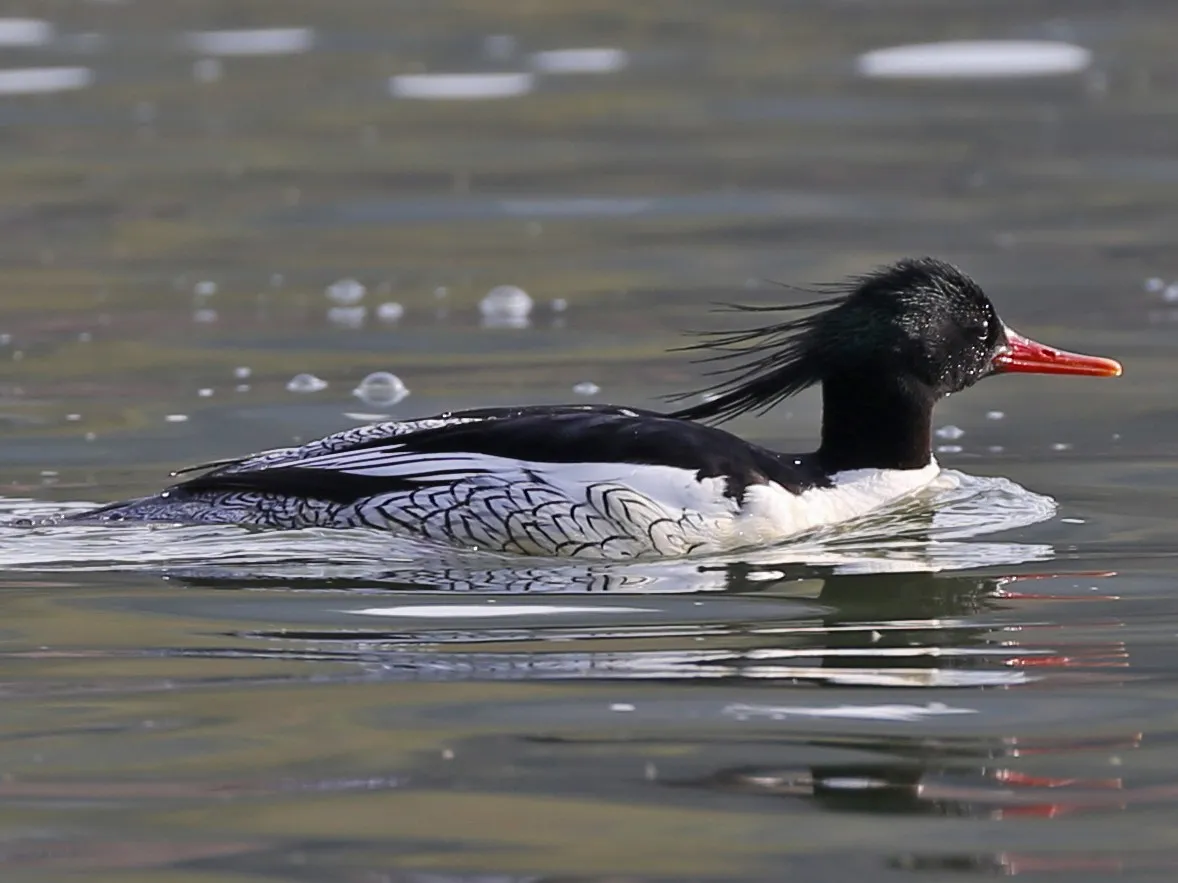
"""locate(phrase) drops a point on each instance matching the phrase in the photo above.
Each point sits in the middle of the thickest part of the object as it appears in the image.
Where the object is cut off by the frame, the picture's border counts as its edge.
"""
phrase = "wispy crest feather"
(772, 362)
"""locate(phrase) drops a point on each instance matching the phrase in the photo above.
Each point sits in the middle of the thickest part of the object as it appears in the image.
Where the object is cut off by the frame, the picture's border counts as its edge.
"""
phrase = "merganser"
(609, 482)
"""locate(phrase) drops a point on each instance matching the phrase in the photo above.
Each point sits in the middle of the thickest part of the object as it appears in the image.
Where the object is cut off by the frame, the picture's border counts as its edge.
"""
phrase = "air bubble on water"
(5, 339)
(995, 415)
(587, 388)
(205, 288)
(381, 388)
(242, 372)
(506, 306)
(306, 383)
(996, 449)
(347, 317)
(204, 317)
(242, 387)
(73, 418)
(1061, 446)
(176, 418)
(85, 337)
(949, 449)
(499, 46)
(559, 305)
(1154, 284)
(346, 291)
(90, 436)
(441, 292)
(204, 393)
(390, 312)
(1170, 293)
(207, 70)
(950, 432)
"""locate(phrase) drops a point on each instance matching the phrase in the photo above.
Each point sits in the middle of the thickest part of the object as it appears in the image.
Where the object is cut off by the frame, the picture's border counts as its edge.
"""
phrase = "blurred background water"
(226, 223)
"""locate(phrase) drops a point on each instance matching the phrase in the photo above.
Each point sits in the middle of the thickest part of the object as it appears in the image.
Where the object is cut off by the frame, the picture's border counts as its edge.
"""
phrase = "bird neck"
(874, 426)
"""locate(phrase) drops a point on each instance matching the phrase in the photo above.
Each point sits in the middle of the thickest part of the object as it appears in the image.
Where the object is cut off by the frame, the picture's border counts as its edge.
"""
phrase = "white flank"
(772, 513)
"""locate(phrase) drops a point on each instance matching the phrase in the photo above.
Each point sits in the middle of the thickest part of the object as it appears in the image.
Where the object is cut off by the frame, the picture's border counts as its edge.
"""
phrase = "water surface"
(984, 684)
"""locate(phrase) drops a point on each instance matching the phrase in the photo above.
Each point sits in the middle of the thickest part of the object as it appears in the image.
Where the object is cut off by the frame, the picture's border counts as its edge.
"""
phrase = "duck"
(612, 482)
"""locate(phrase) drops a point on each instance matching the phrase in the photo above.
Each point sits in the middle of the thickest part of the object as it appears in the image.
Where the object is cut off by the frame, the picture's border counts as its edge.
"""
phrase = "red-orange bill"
(1025, 356)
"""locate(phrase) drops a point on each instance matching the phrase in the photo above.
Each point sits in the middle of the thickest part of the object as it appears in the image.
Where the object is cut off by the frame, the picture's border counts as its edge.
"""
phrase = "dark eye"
(979, 329)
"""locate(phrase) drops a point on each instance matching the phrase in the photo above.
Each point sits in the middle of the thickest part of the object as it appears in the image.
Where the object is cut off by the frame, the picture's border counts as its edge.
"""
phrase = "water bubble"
(1061, 446)
(204, 393)
(85, 337)
(73, 418)
(176, 418)
(499, 46)
(506, 306)
(347, 317)
(441, 292)
(205, 288)
(559, 305)
(390, 312)
(381, 388)
(461, 87)
(1154, 284)
(204, 317)
(242, 372)
(949, 449)
(207, 70)
(950, 432)
(346, 291)
(587, 388)
(277, 280)
(1170, 293)
(242, 387)
(591, 60)
(996, 449)
(995, 415)
(306, 383)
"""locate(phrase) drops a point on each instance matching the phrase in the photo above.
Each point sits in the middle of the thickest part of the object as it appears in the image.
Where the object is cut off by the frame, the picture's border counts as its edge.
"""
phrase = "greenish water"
(967, 691)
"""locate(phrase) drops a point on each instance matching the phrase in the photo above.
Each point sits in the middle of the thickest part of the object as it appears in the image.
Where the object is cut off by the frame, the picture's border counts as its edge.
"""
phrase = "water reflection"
(919, 630)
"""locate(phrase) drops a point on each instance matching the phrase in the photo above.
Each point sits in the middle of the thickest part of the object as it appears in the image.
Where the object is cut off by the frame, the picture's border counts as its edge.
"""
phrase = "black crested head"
(916, 330)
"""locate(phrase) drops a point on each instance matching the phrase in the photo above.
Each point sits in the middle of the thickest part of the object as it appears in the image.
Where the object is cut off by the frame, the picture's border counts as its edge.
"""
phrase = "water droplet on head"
(381, 388)
(346, 291)
(306, 383)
